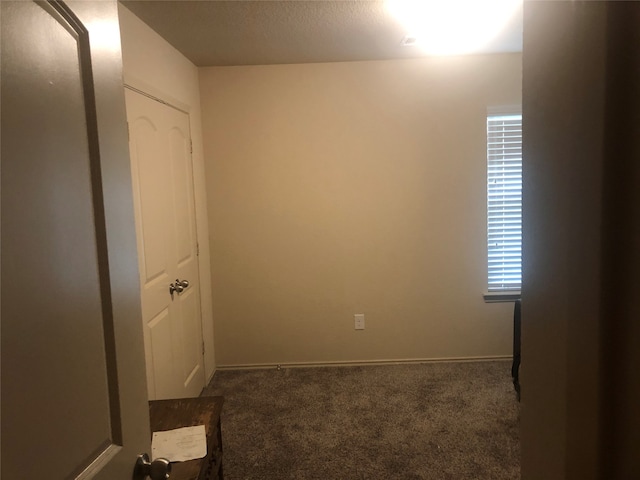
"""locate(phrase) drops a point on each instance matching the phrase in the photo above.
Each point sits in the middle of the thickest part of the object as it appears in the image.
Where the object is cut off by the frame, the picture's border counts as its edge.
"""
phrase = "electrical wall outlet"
(359, 320)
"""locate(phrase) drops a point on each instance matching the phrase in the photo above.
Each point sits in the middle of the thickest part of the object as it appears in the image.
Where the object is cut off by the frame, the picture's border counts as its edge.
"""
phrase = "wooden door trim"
(99, 462)
(159, 100)
(74, 25)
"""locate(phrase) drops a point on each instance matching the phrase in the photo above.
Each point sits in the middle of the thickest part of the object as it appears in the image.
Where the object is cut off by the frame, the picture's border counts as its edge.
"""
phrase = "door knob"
(159, 469)
(175, 288)
(179, 286)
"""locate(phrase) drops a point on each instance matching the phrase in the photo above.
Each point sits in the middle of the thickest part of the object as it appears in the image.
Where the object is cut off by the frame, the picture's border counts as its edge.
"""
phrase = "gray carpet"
(428, 421)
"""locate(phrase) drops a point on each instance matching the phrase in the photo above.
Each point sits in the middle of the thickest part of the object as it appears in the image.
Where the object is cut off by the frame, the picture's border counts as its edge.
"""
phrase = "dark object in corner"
(515, 366)
(189, 412)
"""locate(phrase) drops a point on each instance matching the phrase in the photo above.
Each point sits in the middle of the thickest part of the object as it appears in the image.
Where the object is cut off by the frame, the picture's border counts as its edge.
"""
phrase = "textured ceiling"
(272, 32)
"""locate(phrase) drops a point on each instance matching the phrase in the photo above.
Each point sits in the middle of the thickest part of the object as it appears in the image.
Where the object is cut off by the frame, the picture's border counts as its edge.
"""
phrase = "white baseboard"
(357, 363)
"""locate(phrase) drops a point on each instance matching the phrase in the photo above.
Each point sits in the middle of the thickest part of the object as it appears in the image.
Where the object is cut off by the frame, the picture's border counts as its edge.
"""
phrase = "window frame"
(500, 294)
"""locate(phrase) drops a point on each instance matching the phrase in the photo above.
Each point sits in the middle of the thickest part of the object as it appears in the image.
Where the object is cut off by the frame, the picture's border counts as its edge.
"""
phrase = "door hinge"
(197, 249)
(203, 348)
(191, 145)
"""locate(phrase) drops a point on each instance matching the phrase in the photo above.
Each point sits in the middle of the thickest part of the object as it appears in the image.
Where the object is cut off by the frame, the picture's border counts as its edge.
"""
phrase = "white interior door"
(160, 146)
(74, 401)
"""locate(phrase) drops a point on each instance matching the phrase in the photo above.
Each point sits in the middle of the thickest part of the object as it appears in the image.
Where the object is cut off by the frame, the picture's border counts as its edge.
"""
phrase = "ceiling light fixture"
(452, 27)
(409, 41)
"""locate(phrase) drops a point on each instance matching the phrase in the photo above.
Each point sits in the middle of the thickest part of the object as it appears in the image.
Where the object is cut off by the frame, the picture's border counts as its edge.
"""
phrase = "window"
(504, 203)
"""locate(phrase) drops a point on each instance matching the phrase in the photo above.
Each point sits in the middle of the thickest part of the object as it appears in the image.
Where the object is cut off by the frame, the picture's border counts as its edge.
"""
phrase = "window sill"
(496, 297)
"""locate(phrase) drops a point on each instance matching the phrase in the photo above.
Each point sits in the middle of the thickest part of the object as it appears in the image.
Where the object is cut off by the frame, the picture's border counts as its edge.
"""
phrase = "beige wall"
(155, 67)
(346, 188)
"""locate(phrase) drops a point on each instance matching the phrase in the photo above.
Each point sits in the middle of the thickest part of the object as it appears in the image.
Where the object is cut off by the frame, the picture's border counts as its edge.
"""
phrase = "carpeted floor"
(435, 421)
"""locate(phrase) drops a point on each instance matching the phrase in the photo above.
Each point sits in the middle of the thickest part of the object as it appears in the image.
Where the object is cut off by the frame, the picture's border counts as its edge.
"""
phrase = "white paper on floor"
(180, 444)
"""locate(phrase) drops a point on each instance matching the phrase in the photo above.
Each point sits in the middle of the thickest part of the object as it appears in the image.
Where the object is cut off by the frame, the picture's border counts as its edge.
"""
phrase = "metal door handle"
(175, 288)
(159, 469)
(179, 286)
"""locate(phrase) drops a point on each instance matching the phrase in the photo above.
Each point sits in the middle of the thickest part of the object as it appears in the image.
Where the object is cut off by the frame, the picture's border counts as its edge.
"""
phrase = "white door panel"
(151, 199)
(160, 341)
(165, 224)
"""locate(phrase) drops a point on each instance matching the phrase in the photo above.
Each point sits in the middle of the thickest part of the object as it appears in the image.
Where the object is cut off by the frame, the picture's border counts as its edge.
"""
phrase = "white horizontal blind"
(504, 202)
